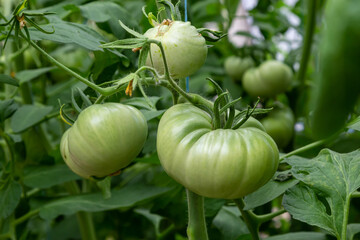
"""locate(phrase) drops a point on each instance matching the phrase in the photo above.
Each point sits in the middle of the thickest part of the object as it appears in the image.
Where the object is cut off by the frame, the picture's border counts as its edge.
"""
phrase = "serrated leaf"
(27, 116)
(303, 204)
(8, 80)
(48, 176)
(268, 192)
(128, 196)
(28, 75)
(7, 108)
(128, 43)
(299, 236)
(333, 177)
(10, 193)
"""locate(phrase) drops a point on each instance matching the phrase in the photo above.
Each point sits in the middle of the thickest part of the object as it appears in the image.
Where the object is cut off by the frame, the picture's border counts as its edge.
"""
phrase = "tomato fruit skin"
(235, 66)
(279, 124)
(104, 139)
(185, 49)
(269, 79)
(221, 163)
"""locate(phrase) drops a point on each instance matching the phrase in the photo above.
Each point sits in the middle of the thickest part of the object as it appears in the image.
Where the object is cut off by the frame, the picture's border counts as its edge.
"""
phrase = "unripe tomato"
(221, 163)
(279, 124)
(269, 79)
(185, 49)
(104, 139)
(235, 67)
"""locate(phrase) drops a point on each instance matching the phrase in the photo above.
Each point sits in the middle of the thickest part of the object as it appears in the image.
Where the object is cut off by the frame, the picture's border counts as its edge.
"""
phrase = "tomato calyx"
(224, 114)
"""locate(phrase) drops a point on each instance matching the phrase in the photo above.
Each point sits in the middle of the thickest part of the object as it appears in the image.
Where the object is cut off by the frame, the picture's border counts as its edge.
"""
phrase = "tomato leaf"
(352, 230)
(28, 116)
(140, 102)
(128, 196)
(8, 80)
(48, 176)
(149, 115)
(229, 223)
(299, 236)
(268, 192)
(10, 193)
(7, 108)
(28, 75)
(355, 124)
(330, 180)
(68, 32)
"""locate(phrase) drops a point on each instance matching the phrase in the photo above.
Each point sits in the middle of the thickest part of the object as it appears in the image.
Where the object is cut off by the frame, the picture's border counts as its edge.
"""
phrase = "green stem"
(26, 216)
(268, 217)
(10, 148)
(355, 194)
(346, 217)
(104, 91)
(250, 219)
(197, 226)
(86, 224)
(306, 148)
(309, 32)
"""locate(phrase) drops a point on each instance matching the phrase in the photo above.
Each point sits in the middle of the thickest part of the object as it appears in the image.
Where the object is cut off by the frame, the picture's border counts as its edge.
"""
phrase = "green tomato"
(185, 49)
(279, 124)
(235, 67)
(221, 163)
(104, 139)
(269, 79)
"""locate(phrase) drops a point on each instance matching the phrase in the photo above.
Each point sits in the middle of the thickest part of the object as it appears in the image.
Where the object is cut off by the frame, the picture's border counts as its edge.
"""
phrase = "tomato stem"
(309, 32)
(250, 219)
(104, 91)
(197, 226)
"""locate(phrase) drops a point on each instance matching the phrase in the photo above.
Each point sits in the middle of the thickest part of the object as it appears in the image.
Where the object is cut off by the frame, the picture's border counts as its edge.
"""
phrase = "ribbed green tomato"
(279, 124)
(104, 139)
(185, 49)
(235, 67)
(269, 79)
(221, 163)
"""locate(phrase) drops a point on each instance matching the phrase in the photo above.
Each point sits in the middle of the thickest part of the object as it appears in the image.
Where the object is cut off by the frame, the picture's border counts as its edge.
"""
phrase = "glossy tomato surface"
(185, 49)
(222, 163)
(104, 139)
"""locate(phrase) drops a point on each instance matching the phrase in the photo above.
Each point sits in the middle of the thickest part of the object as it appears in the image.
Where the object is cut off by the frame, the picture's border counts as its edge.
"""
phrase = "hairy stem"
(104, 91)
(197, 226)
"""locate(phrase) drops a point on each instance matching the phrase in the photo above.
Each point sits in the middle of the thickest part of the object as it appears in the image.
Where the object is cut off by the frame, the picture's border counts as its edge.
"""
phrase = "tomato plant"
(104, 139)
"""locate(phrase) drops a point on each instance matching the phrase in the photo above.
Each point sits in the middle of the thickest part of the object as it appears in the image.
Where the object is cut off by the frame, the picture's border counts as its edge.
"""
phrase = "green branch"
(250, 219)
(309, 33)
(197, 226)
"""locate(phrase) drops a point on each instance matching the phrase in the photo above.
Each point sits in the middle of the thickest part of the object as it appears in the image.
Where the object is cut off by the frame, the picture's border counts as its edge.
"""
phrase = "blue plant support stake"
(186, 18)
